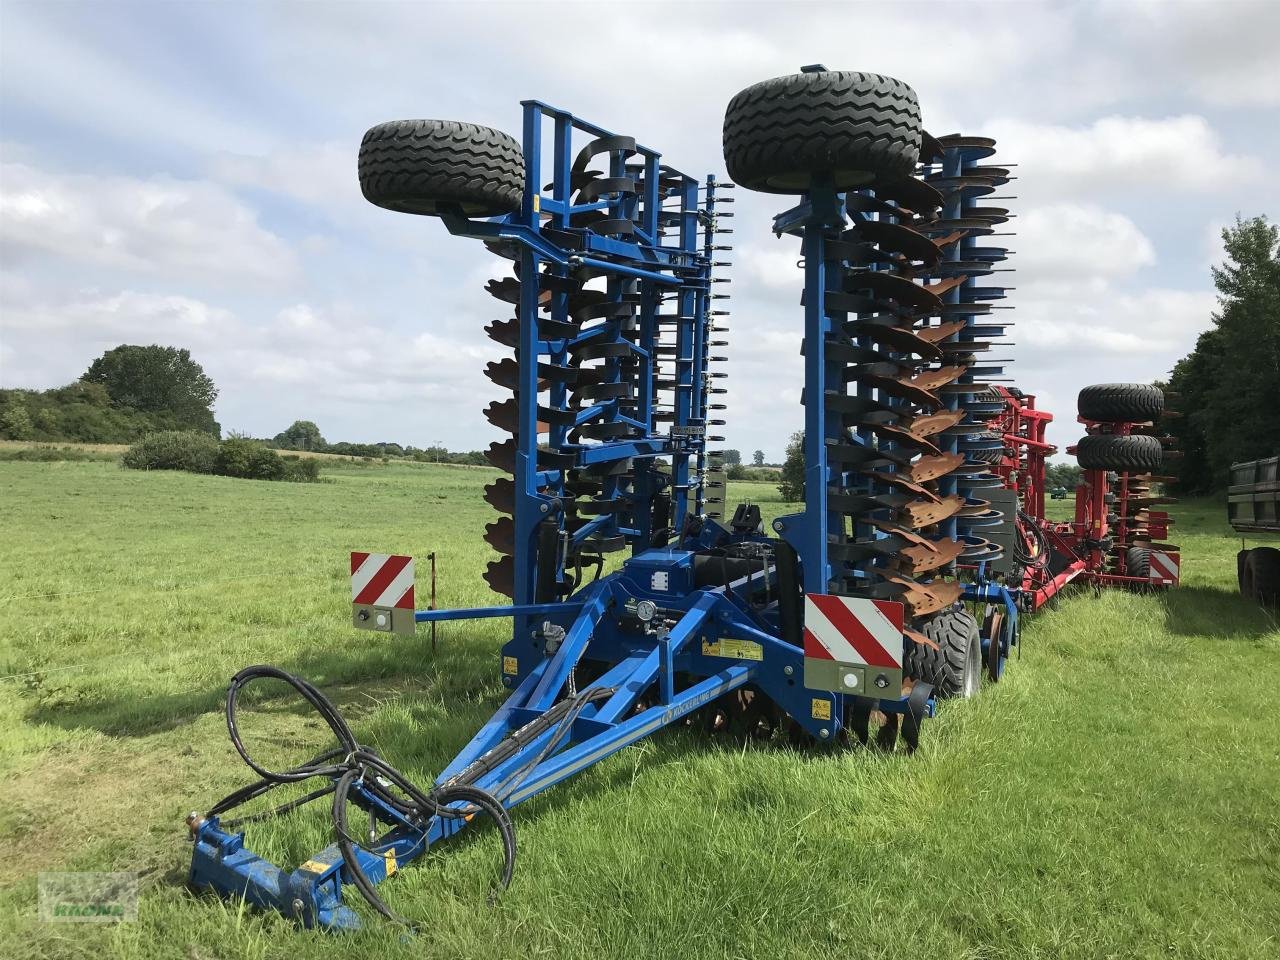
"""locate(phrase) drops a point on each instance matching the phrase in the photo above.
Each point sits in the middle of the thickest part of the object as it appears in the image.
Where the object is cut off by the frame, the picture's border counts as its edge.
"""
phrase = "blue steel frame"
(662, 670)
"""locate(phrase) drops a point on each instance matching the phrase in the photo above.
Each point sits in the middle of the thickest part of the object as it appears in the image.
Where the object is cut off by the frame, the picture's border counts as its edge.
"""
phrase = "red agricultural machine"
(1116, 537)
(899, 581)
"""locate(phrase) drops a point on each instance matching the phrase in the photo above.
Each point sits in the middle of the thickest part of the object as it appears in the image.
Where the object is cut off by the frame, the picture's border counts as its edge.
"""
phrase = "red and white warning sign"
(1164, 567)
(853, 645)
(382, 592)
(382, 580)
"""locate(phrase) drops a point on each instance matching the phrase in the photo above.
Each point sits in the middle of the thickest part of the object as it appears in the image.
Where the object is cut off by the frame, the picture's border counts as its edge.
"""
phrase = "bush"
(173, 450)
(791, 483)
(302, 469)
(234, 457)
(47, 453)
(15, 422)
(249, 460)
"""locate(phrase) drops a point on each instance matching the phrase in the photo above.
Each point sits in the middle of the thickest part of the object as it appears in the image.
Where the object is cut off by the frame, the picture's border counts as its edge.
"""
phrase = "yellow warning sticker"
(510, 665)
(537, 203)
(821, 708)
(391, 862)
(733, 649)
(315, 866)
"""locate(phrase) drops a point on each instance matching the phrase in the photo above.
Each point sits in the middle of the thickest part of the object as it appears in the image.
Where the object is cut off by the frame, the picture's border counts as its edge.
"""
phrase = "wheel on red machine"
(1121, 402)
(955, 667)
(1132, 454)
(1262, 576)
(1137, 562)
(432, 167)
(856, 128)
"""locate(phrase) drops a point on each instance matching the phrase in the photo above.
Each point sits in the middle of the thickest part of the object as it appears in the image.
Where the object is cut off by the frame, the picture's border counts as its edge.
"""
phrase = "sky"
(185, 174)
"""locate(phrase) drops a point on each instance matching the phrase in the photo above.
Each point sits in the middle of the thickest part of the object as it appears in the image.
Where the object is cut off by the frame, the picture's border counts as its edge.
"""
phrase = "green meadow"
(1116, 795)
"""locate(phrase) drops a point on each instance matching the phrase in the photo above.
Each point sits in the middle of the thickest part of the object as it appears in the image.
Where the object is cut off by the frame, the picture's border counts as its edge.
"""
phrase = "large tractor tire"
(432, 167)
(1133, 454)
(1261, 580)
(955, 667)
(1121, 402)
(856, 128)
(1137, 562)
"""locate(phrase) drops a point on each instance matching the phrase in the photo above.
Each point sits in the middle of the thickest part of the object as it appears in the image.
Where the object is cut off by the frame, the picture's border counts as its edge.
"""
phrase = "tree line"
(1225, 394)
(125, 394)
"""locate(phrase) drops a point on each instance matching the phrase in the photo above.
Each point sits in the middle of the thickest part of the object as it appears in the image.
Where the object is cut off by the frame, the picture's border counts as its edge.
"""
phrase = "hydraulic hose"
(351, 764)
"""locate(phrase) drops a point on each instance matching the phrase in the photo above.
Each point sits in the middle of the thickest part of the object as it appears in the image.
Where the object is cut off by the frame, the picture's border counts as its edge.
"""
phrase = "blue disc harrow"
(841, 617)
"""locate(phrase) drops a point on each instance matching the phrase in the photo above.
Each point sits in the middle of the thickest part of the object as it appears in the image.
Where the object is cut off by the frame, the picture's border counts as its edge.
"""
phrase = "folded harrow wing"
(922, 535)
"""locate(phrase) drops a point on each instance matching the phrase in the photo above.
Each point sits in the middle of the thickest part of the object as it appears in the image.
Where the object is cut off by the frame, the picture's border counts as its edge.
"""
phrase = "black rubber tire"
(1137, 562)
(1263, 576)
(855, 127)
(1133, 454)
(431, 167)
(1242, 558)
(955, 632)
(1121, 403)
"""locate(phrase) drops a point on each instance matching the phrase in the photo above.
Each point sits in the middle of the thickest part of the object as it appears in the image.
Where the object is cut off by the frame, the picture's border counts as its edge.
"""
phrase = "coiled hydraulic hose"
(351, 763)
(1038, 556)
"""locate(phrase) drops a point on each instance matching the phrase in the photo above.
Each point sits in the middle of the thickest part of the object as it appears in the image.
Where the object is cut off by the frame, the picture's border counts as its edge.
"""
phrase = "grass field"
(1117, 795)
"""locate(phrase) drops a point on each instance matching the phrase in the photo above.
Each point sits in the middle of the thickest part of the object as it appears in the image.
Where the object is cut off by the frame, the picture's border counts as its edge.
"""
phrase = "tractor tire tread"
(1121, 403)
(811, 123)
(1132, 454)
(943, 666)
(427, 166)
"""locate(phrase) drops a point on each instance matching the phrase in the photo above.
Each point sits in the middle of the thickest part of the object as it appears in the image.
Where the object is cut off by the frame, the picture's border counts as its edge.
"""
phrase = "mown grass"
(1115, 796)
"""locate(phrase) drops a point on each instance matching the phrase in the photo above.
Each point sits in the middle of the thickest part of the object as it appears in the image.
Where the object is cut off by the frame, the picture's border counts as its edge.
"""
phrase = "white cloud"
(1064, 241)
(127, 314)
(1220, 53)
(1154, 322)
(320, 174)
(776, 267)
(1115, 152)
(158, 226)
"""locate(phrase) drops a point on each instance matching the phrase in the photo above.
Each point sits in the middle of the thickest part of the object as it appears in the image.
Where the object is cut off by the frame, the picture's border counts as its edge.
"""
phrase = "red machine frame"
(1112, 511)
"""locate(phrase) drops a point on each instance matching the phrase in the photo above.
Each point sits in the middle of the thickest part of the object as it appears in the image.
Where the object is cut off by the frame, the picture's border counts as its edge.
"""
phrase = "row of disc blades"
(913, 457)
(590, 382)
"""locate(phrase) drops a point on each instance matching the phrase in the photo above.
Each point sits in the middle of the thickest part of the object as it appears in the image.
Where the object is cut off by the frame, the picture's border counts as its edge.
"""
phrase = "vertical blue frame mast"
(820, 216)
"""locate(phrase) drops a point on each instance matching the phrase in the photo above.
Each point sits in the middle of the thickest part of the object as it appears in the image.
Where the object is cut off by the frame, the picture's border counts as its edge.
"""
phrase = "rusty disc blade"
(500, 575)
(922, 560)
(501, 535)
(898, 238)
(889, 432)
(933, 379)
(508, 291)
(913, 538)
(930, 468)
(900, 482)
(934, 423)
(501, 495)
(921, 600)
(893, 288)
(941, 332)
(902, 339)
(913, 194)
(903, 389)
(922, 513)
(505, 332)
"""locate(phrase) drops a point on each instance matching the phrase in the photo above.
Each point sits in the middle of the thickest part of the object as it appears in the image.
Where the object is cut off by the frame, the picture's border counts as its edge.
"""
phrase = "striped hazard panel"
(852, 645)
(382, 592)
(1164, 567)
